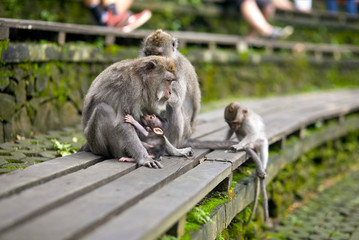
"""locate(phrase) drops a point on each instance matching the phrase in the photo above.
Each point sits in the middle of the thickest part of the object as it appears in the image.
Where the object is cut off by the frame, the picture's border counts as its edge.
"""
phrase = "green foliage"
(198, 215)
(46, 15)
(168, 237)
(63, 149)
(292, 184)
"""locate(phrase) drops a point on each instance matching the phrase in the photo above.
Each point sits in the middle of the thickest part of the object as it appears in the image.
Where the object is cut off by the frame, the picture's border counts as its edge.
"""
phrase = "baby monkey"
(250, 131)
(151, 135)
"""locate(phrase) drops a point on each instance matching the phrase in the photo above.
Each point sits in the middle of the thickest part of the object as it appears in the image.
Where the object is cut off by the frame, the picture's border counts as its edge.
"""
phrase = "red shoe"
(136, 20)
(116, 20)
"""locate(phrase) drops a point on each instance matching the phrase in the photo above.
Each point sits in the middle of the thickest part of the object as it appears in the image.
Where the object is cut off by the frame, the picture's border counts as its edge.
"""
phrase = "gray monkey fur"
(133, 87)
(184, 104)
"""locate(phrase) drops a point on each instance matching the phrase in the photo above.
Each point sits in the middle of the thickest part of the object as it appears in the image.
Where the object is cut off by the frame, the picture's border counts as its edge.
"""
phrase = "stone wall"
(43, 85)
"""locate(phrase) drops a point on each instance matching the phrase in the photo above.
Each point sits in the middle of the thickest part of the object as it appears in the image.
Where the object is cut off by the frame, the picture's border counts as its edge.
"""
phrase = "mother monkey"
(137, 87)
(184, 104)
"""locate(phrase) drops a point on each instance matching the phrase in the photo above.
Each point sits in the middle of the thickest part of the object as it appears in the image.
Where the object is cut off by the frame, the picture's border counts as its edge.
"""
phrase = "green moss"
(4, 44)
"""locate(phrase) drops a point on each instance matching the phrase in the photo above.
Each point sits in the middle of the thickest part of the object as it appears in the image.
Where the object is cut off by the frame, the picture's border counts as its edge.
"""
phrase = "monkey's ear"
(151, 65)
(158, 131)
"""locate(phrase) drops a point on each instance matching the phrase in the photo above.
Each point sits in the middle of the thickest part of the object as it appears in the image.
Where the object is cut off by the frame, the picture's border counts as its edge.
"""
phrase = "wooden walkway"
(82, 196)
(20, 30)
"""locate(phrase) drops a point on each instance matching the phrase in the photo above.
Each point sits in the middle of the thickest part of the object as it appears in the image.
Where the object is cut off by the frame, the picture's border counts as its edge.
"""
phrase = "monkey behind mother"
(137, 87)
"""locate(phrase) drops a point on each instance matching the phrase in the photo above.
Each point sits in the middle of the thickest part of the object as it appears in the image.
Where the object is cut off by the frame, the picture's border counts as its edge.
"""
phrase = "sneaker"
(136, 20)
(281, 33)
(116, 20)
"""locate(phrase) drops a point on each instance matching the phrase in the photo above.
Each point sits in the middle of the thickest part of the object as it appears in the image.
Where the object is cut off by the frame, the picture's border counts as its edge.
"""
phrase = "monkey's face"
(165, 90)
(151, 121)
(158, 75)
(234, 125)
(234, 115)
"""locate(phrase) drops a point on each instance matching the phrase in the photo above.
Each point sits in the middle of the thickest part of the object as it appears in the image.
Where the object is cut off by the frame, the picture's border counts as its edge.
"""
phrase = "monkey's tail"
(264, 199)
(194, 143)
(261, 175)
(256, 197)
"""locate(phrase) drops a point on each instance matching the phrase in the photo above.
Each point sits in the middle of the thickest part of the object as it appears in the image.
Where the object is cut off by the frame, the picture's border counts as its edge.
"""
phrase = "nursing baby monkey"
(250, 131)
(151, 135)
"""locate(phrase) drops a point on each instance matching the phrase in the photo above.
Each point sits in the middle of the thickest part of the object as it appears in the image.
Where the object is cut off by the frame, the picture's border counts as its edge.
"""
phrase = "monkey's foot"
(126, 159)
(261, 174)
(153, 164)
(187, 152)
(149, 162)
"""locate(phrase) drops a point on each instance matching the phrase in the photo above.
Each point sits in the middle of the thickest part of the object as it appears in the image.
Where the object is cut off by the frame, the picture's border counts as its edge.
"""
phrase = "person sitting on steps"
(115, 13)
(256, 13)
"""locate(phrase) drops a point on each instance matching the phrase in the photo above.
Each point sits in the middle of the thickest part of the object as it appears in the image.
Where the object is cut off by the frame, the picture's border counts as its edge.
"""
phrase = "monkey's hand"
(128, 118)
(149, 162)
(236, 148)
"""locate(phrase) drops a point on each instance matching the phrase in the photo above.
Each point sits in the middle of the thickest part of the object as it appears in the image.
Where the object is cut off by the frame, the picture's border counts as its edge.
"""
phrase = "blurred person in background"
(257, 13)
(350, 5)
(115, 13)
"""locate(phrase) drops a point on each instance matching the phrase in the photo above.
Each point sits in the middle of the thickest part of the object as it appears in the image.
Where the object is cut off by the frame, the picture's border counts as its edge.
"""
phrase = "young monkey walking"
(250, 131)
(151, 135)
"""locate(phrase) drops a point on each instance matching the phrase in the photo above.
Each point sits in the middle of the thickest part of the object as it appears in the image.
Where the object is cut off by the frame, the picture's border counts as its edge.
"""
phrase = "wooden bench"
(84, 196)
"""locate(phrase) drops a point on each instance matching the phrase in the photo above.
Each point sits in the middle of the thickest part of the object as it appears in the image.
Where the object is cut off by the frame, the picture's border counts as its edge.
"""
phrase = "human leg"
(255, 18)
(106, 14)
(252, 14)
(332, 6)
(352, 7)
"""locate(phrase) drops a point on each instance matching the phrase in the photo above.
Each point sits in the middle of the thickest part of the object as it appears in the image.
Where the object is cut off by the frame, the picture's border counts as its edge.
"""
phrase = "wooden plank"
(213, 121)
(36, 200)
(39, 173)
(303, 116)
(91, 209)
(179, 197)
(244, 192)
(285, 120)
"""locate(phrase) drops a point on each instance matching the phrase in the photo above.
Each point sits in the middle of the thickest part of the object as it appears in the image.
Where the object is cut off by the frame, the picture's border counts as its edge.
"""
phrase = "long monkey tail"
(256, 197)
(194, 143)
(261, 174)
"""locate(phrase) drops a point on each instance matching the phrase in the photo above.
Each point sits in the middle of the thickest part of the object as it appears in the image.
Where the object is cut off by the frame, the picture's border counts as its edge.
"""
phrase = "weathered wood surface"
(81, 196)
(209, 39)
(243, 194)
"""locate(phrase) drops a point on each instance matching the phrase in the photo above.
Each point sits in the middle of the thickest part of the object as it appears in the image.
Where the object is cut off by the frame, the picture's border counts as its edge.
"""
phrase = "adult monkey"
(135, 87)
(184, 103)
